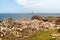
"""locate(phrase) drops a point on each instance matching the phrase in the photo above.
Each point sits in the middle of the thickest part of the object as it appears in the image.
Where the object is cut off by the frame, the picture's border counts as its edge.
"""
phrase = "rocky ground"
(21, 29)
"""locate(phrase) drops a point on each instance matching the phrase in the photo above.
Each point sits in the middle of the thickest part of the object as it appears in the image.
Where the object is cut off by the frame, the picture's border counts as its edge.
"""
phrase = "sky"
(26, 6)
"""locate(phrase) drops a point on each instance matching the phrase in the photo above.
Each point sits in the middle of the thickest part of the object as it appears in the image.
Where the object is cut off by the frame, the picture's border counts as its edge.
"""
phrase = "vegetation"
(42, 35)
(45, 35)
(58, 30)
(6, 38)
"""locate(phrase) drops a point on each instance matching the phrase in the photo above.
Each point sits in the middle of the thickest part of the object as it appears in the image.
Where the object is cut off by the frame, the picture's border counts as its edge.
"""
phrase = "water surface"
(25, 15)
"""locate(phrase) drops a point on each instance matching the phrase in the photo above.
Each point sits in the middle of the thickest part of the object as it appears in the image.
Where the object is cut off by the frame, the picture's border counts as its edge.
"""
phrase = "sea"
(25, 15)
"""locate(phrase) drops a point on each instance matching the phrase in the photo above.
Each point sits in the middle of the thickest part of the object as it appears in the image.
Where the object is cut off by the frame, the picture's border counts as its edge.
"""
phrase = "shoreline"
(24, 28)
(25, 15)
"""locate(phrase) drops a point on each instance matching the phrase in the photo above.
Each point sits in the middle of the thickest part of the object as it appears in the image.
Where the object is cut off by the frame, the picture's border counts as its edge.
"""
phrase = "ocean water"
(25, 15)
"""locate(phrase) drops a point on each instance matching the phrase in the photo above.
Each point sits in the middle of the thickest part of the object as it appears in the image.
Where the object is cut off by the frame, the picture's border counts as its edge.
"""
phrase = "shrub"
(52, 39)
(58, 30)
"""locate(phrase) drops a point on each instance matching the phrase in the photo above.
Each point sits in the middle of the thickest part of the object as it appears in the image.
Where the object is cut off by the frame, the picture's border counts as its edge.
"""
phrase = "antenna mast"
(32, 11)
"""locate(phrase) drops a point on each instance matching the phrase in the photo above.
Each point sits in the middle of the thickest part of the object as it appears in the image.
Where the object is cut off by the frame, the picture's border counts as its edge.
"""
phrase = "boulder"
(48, 25)
(40, 18)
(36, 17)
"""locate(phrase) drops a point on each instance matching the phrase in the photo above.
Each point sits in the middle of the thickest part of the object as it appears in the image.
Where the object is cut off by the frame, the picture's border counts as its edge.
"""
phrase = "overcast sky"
(26, 6)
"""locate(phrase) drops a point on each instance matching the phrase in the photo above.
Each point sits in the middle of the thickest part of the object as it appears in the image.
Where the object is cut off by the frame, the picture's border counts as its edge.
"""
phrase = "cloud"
(28, 3)
(40, 4)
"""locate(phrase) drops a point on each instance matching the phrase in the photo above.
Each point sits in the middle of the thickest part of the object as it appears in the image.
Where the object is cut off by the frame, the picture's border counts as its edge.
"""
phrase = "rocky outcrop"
(36, 17)
(23, 28)
(53, 19)
(40, 18)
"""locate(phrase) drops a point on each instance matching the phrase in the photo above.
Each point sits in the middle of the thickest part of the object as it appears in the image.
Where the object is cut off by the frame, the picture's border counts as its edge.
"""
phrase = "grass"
(44, 35)
(6, 38)
(58, 30)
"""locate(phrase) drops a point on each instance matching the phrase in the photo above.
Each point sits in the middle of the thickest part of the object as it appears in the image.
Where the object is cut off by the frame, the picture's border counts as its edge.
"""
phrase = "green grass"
(6, 38)
(44, 35)
(58, 30)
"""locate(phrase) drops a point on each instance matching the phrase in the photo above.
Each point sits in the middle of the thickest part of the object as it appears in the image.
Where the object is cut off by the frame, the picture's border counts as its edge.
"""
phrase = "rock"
(36, 17)
(0, 21)
(1, 35)
(55, 35)
(40, 18)
(21, 28)
(48, 25)
(0, 38)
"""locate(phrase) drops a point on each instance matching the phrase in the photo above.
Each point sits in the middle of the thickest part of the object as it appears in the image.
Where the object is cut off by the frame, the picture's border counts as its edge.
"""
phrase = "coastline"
(23, 28)
(25, 15)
